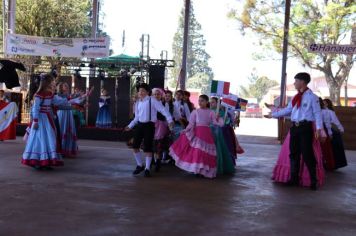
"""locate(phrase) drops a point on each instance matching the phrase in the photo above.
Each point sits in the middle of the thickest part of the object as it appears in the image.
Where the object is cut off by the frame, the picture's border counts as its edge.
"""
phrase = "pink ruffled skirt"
(161, 129)
(195, 152)
(281, 172)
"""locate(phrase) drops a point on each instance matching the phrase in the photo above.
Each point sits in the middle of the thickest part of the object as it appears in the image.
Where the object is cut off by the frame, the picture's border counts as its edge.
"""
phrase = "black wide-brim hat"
(303, 76)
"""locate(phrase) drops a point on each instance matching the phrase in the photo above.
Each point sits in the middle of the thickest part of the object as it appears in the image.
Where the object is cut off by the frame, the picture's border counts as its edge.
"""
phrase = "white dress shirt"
(329, 118)
(309, 110)
(181, 110)
(142, 111)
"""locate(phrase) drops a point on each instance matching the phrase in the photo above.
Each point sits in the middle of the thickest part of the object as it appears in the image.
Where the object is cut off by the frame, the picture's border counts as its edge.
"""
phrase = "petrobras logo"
(98, 40)
(97, 46)
(332, 48)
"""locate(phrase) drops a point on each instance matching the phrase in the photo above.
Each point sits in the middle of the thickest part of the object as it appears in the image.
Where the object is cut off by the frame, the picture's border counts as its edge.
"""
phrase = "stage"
(92, 133)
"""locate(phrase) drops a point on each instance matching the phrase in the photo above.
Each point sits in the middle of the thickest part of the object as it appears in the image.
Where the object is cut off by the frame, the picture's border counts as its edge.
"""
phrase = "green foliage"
(325, 22)
(197, 58)
(201, 81)
(53, 18)
(258, 87)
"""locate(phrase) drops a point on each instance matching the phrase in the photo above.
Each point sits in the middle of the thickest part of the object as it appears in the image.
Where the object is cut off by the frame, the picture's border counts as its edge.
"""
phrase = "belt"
(301, 123)
(144, 123)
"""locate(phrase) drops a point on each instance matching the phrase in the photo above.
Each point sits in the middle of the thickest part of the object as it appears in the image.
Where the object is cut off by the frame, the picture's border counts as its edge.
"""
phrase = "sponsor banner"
(57, 47)
(332, 48)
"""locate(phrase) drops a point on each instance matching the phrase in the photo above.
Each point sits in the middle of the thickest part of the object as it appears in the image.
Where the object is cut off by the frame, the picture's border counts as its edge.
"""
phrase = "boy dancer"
(145, 118)
(304, 110)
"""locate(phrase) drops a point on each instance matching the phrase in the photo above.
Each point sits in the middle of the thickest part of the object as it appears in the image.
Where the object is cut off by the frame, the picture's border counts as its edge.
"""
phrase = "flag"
(8, 116)
(229, 101)
(241, 104)
(219, 88)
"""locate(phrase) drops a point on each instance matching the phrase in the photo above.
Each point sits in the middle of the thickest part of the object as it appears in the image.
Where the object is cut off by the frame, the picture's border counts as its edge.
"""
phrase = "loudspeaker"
(156, 76)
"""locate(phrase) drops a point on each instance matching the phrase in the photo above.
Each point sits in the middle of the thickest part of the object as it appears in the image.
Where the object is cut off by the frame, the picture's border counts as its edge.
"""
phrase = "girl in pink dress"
(195, 150)
(281, 171)
(161, 131)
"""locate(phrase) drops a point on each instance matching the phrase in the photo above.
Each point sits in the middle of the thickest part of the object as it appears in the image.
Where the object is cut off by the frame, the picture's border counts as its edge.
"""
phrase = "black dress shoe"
(158, 165)
(138, 170)
(147, 173)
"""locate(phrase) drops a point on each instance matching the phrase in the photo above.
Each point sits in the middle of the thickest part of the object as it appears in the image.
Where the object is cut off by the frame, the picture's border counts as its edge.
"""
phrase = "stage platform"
(92, 133)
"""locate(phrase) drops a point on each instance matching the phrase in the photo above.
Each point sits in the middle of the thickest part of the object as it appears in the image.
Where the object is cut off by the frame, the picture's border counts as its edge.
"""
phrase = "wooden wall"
(347, 117)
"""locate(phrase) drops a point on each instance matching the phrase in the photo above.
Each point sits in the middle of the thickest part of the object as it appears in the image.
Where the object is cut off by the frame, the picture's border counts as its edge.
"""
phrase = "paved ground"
(95, 194)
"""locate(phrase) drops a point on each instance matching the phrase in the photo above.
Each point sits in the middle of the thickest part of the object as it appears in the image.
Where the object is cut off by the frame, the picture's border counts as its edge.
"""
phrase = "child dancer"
(326, 147)
(335, 129)
(186, 99)
(195, 150)
(67, 129)
(161, 130)
(103, 119)
(78, 108)
(225, 160)
(282, 169)
(145, 118)
(3, 99)
(181, 114)
(41, 147)
(168, 104)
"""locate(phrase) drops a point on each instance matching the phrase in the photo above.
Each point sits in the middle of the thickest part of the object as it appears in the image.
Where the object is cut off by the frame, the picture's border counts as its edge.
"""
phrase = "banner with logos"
(332, 48)
(57, 47)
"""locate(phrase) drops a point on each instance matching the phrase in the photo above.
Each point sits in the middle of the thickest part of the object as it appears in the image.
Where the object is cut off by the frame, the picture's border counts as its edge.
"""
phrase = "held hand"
(171, 125)
(35, 126)
(319, 136)
(91, 90)
(127, 129)
(269, 106)
(269, 116)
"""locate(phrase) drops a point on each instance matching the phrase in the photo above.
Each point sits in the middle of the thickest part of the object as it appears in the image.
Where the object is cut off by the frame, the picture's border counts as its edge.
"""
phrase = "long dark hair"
(206, 98)
(45, 82)
(321, 103)
(330, 105)
(189, 103)
(170, 103)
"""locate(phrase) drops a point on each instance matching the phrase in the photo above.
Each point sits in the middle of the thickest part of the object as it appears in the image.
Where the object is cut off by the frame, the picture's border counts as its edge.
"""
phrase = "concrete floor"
(96, 194)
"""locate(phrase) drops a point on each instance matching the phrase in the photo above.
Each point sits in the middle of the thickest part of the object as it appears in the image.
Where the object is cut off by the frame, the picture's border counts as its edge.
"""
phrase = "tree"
(311, 21)
(258, 87)
(200, 80)
(53, 18)
(197, 57)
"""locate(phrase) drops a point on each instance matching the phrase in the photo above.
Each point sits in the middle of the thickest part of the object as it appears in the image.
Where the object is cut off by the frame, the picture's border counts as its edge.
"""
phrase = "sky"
(231, 53)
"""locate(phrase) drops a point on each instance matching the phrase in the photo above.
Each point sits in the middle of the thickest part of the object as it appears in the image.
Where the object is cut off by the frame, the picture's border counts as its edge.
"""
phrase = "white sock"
(138, 158)
(148, 163)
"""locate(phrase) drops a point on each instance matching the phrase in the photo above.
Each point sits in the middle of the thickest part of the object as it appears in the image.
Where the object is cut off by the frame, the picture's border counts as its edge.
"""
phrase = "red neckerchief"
(298, 98)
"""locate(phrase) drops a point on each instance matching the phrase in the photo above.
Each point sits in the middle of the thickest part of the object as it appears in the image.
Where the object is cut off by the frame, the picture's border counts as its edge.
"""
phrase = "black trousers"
(301, 143)
(145, 132)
